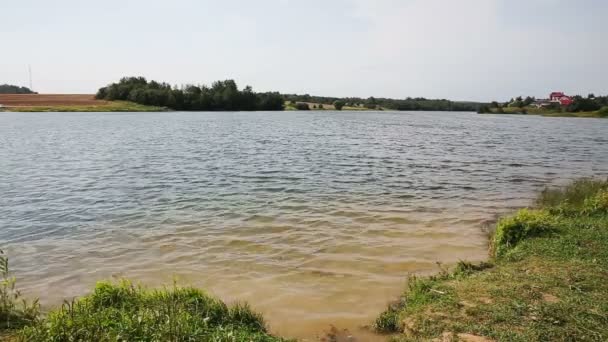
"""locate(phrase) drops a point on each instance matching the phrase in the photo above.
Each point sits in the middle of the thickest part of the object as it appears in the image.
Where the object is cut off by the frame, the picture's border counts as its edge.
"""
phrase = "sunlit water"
(315, 218)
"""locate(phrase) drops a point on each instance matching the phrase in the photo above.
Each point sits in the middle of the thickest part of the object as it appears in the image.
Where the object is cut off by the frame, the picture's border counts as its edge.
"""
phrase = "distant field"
(68, 103)
(29, 100)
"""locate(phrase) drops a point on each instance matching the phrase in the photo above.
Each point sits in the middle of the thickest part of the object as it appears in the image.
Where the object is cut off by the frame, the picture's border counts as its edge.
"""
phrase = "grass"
(110, 106)
(125, 312)
(546, 280)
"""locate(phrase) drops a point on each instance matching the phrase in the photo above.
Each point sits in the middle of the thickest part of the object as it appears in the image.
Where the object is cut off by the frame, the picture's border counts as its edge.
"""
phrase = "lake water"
(316, 218)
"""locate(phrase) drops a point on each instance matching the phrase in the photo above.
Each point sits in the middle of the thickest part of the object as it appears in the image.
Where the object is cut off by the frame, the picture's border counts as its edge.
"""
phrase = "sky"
(478, 50)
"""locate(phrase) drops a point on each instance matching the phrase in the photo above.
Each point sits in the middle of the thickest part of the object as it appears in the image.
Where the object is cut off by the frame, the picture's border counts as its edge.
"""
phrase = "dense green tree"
(581, 104)
(338, 105)
(302, 106)
(484, 110)
(221, 96)
(528, 101)
(13, 89)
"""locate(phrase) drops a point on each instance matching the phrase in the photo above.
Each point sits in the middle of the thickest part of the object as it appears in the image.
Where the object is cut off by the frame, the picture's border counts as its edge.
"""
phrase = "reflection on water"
(314, 218)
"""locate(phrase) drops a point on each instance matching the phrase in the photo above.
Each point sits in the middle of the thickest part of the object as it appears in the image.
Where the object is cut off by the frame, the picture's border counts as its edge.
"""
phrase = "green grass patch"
(523, 225)
(110, 106)
(126, 312)
(546, 280)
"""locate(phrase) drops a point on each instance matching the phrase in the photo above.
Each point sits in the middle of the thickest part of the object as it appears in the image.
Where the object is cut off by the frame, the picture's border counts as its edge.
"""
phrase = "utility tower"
(29, 68)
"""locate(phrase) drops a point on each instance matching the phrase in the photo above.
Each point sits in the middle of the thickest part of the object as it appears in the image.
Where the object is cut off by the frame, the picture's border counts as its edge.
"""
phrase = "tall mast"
(29, 68)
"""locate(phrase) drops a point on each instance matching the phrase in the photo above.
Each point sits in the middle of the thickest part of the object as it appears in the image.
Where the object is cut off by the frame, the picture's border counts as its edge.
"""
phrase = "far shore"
(68, 103)
(88, 103)
(545, 112)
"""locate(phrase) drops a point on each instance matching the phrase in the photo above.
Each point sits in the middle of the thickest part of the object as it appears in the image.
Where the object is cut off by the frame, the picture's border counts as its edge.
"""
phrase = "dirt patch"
(29, 100)
(549, 298)
(450, 337)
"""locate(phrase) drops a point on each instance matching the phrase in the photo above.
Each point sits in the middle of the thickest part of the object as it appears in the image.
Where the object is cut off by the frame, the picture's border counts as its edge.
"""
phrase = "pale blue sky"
(457, 49)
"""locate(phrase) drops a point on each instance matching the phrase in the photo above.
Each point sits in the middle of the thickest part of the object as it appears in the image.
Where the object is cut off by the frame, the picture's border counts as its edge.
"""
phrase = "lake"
(315, 218)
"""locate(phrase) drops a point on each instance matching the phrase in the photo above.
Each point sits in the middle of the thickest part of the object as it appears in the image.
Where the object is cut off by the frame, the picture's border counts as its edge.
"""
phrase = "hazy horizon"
(479, 50)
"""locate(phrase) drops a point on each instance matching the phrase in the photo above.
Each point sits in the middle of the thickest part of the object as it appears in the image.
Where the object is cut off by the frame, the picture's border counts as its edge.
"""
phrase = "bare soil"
(29, 100)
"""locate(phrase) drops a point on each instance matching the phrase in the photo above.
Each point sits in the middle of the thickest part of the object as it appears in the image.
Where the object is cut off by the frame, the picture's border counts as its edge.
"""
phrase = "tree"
(13, 89)
(338, 105)
(581, 104)
(302, 106)
(484, 110)
(223, 95)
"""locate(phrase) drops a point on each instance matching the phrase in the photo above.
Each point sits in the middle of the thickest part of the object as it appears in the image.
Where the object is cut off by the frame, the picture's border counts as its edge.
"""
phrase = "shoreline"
(544, 280)
(539, 112)
(523, 292)
(118, 107)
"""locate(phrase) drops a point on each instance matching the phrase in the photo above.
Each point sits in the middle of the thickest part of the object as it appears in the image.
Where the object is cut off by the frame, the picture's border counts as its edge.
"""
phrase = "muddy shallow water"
(314, 218)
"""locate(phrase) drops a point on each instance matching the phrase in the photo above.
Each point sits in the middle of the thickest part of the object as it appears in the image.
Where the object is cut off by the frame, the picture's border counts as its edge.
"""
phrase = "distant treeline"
(588, 104)
(13, 89)
(225, 96)
(409, 103)
(221, 96)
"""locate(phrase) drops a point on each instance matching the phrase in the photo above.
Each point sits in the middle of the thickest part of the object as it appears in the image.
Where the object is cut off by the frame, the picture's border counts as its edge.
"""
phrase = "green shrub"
(573, 195)
(387, 322)
(15, 311)
(603, 112)
(338, 105)
(302, 106)
(124, 312)
(596, 205)
(526, 223)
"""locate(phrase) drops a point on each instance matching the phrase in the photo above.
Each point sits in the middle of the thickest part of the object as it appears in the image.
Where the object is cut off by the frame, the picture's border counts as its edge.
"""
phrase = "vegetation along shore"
(137, 94)
(557, 105)
(545, 281)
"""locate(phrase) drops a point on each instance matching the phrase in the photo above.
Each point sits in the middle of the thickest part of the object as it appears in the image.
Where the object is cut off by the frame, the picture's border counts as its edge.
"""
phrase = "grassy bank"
(125, 312)
(603, 113)
(547, 279)
(105, 106)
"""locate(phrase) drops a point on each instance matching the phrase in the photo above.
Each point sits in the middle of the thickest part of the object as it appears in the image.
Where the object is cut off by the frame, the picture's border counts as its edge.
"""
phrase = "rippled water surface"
(315, 218)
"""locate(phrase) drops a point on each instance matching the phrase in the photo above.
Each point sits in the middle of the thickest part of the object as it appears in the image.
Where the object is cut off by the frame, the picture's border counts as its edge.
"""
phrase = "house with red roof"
(556, 97)
(561, 98)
